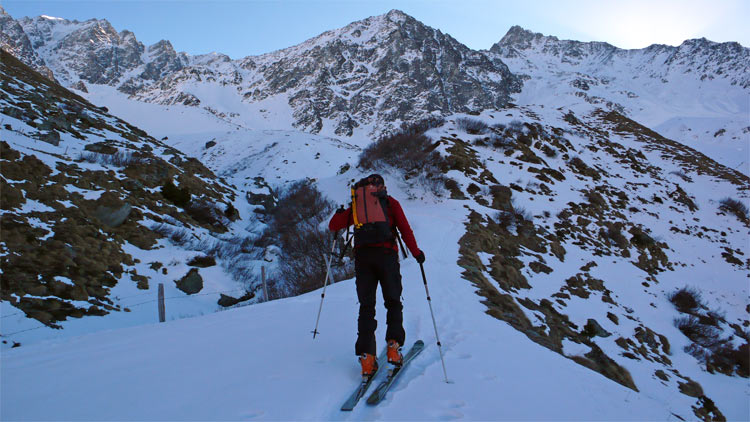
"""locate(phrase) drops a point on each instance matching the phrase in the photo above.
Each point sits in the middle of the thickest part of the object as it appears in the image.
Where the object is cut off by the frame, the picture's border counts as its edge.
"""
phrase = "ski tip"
(419, 343)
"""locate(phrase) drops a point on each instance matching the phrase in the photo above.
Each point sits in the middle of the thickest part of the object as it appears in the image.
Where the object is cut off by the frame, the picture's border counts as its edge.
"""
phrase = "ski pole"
(434, 324)
(325, 284)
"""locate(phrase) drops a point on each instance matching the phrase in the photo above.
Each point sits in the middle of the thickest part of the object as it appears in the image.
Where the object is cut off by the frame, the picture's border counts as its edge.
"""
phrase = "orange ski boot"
(394, 353)
(369, 364)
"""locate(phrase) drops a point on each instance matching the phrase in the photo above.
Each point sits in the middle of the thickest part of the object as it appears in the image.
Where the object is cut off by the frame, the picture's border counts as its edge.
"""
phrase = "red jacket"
(396, 215)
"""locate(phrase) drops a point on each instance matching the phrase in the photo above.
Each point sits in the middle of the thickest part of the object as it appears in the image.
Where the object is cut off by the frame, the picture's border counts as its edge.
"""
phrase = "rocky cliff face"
(14, 40)
(375, 73)
(384, 69)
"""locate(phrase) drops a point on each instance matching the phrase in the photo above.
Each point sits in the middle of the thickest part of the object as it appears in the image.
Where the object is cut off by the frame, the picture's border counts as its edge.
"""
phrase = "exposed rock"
(227, 301)
(191, 283)
(593, 329)
(113, 217)
(80, 86)
(50, 137)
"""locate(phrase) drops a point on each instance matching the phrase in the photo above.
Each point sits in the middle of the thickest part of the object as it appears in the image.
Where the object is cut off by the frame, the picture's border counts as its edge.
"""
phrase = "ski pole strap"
(349, 236)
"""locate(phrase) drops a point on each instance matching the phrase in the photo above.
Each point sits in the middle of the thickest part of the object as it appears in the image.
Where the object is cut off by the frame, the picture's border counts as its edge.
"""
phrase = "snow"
(213, 367)
(260, 361)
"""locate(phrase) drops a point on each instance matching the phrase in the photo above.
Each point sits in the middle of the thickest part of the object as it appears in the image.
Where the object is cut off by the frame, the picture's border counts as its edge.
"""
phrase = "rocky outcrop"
(191, 283)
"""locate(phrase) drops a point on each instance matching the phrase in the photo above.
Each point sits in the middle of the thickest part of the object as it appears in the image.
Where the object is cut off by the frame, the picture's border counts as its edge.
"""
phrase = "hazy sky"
(248, 27)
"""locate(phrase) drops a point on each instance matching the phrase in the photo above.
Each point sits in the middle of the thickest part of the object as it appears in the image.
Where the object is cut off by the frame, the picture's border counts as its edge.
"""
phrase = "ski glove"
(420, 257)
(340, 210)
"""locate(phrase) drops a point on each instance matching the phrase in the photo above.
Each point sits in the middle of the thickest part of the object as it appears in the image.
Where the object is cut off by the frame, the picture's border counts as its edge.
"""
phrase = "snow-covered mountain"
(370, 76)
(696, 93)
(576, 258)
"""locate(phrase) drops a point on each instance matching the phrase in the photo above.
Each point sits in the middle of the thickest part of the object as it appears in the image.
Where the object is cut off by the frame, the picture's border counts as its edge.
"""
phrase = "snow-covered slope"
(696, 93)
(88, 233)
(261, 362)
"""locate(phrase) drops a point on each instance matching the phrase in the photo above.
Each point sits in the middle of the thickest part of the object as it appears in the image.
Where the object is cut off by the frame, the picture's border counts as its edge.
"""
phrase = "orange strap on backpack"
(357, 224)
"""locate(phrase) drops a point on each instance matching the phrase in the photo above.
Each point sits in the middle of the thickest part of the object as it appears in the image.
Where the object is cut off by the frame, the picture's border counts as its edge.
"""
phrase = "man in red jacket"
(373, 263)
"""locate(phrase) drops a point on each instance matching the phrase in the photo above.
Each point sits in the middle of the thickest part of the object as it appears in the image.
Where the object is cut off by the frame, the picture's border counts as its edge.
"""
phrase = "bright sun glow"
(639, 23)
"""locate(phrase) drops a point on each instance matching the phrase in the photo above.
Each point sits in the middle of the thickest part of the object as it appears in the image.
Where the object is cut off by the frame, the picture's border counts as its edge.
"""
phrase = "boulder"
(593, 329)
(192, 282)
(50, 137)
(226, 301)
(113, 217)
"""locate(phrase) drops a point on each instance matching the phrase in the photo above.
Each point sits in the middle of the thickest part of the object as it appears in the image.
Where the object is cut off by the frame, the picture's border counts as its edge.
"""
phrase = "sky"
(241, 28)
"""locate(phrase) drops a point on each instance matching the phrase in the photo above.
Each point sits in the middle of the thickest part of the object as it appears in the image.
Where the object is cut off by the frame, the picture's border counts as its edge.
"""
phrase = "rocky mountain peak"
(14, 40)
(518, 36)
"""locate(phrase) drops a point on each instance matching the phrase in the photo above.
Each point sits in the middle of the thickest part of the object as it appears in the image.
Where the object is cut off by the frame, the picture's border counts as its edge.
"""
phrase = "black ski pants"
(373, 265)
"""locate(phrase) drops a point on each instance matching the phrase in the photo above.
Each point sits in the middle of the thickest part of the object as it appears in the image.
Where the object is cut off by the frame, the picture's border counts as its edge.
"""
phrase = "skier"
(377, 216)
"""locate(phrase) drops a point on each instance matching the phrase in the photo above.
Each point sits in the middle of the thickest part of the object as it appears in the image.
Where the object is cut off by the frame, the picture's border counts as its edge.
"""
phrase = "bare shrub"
(422, 125)
(735, 207)
(202, 261)
(681, 174)
(523, 214)
(515, 125)
(501, 142)
(295, 227)
(402, 150)
(614, 233)
(206, 213)
(413, 153)
(705, 336)
(118, 159)
(235, 253)
(727, 359)
(549, 151)
(579, 166)
(498, 127)
(178, 196)
(472, 126)
(176, 235)
(686, 300)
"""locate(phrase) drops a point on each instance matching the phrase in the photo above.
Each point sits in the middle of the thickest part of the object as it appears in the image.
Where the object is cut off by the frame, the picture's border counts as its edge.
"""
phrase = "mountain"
(373, 74)
(577, 257)
(14, 40)
(695, 93)
(366, 79)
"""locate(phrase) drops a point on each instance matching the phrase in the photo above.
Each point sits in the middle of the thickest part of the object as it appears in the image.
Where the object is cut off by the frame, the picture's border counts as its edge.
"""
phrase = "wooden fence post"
(162, 309)
(263, 278)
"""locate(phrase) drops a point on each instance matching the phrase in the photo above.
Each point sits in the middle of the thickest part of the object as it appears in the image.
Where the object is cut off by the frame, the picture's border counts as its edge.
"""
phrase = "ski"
(382, 389)
(364, 385)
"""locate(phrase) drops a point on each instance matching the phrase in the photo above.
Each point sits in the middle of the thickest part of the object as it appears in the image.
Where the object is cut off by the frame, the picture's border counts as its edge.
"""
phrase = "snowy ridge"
(695, 93)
